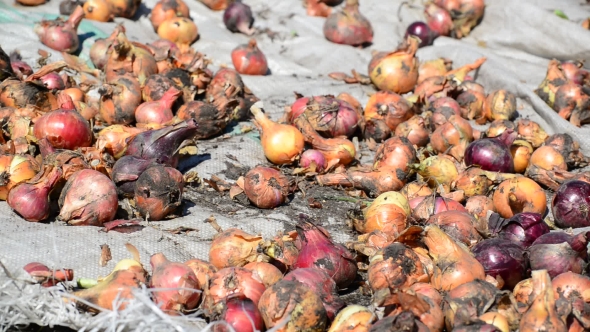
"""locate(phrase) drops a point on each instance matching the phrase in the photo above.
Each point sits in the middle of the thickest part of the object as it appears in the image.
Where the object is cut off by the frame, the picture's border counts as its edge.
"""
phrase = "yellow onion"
(396, 71)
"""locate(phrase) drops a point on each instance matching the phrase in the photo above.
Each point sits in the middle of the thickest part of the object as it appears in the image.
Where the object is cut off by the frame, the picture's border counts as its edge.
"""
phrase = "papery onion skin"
(396, 152)
(203, 270)
(502, 257)
(293, 304)
(88, 198)
(321, 283)
(523, 228)
(233, 247)
(233, 281)
(319, 251)
(329, 116)
(571, 205)
(466, 302)
(266, 187)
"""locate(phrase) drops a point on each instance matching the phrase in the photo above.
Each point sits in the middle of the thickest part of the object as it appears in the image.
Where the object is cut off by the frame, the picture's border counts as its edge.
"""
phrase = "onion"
(547, 167)
(126, 171)
(492, 154)
(64, 128)
(61, 35)
(266, 187)
(502, 257)
(335, 150)
(471, 103)
(459, 225)
(466, 302)
(329, 116)
(319, 251)
(180, 30)
(88, 198)
(416, 189)
(374, 182)
(531, 132)
(452, 137)
(569, 99)
(559, 252)
(268, 273)
(573, 72)
(293, 306)
(402, 321)
(375, 129)
(433, 68)
(388, 213)
(53, 81)
(390, 107)
(438, 19)
(496, 319)
(465, 13)
(571, 285)
(233, 247)
(571, 205)
(47, 277)
(212, 121)
(124, 8)
(168, 9)
(422, 31)
(119, 99)
(522, 228)
(241, 315)
(414, 129)
(18, 67)
(348, 26)
(353, 318)
(281, 143)
(519, 194)
(479, 206)
(113, 292)
(180, 287)
(521, 152)
(249, 60)
(569, 149)
(238, 18)
(500, 105)
(158, 192)
(436, 171)
(98, 51)
(454, 264)
(233, 282)
(161, 144)
(442, 109)
(313, 160)
(14, 170)
(159, 112)
(30, 199)
(322, 285)
(498, 127)
(396, 152)
(542, 314)
(216, 4)
(553, 80)
(113, 139)
(97, 10)
(396, 266)
(128, 58)
(396, 71)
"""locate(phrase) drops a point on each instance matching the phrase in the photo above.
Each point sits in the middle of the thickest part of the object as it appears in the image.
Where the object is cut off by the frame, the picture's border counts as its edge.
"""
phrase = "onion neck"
(170, 97)
(579, 243)
(507, 137)
(65, 102)
(76, 17)
(158, 260)
(310, 135)
(49, 177)
(261, 119)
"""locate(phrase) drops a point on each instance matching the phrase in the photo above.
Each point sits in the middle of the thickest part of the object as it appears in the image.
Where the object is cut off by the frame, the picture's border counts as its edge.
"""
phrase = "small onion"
(158, 191)
(396, 71)
(348, 26)
(233, 247)
(249, 60)
(502, 257)
(571, 205)
(266, 187)
(169, 276)
(180, 30)
(233, 282)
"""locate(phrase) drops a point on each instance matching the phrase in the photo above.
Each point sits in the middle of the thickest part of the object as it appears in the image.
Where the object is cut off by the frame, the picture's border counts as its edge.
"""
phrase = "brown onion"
(212, 121)
(396, 152)
(458, 225)
(248, 59)
(129, 58)
(396, 266)
(388, 213)
(176, 287)
(97, 10)
(521, 155)
(348, 26)
(390, 107)
(531, 132)
(266, 187)
(158, 192)
(396, 71)
(180, 30)
(432, 68)
(203, 270)
(414, 129)
(479, 206)
(167, 9)
(233, 247)
(233, 282)
(416, 189)
(268, 273)
(329, 116)
(519, 194)
(373, 181)
(336, 150)
(500, 105)
(89, 198)
(452, 137)
(119, 99)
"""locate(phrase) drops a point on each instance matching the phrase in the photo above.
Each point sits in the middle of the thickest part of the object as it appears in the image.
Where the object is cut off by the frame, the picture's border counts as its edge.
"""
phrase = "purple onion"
(523, 228)
(162, 144)
(53, 81)
(492, 154)
(126, 171)
(313, 156)
(571, 205)
(559, 252)
(238, 18)
(502, 257)
(321, 283)
(422, 31)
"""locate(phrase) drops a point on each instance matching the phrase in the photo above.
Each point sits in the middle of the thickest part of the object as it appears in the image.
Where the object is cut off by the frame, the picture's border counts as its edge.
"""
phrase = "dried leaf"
(213, 221)
(313, 203)
(134, 252)
(181, 230)
(235, 191)
(105, 255)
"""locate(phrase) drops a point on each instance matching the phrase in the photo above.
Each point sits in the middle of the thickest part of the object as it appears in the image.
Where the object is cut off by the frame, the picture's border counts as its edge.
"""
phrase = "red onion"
(321, 283)
(315, 157)
(329, 116)
(47, 277)
(61, 35)
(492, 154)
(88, 198)
(348, 26)
(242, 315)
(238, 18)
(266, 187)
(158, 191)
(502, 257)
(31, 199)
(571, 205)
(64, 128)
(126, 171)
(248, 59)
(180, 287)
(438, 19)
(318, 251)
(233, 282)
(159, 111)
(422, 31)
(53, 81)
(573, 72)
(162, 144)
(522, 228)
(424, 207)
(20, 68)
(559, 252)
